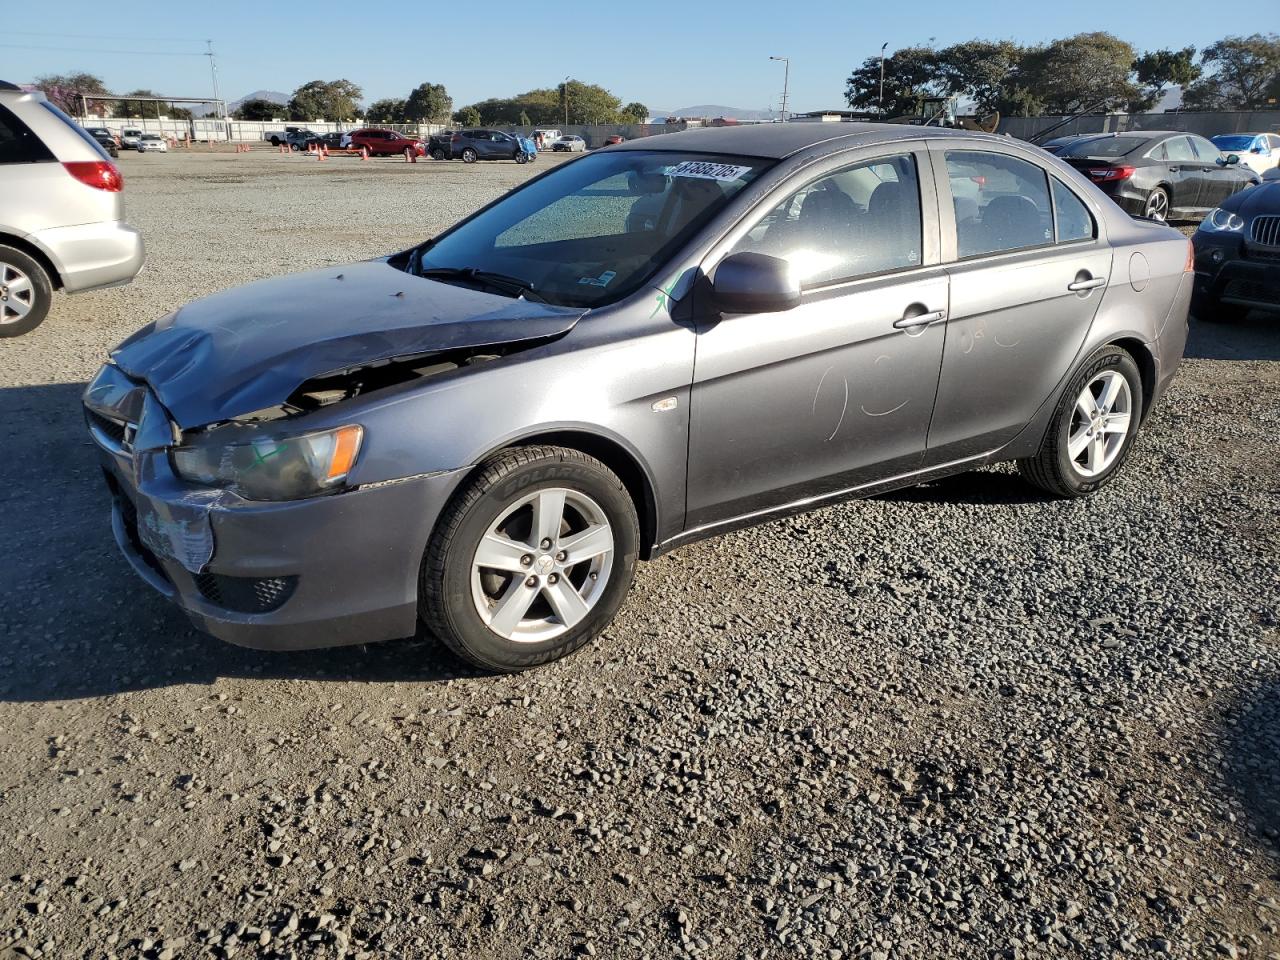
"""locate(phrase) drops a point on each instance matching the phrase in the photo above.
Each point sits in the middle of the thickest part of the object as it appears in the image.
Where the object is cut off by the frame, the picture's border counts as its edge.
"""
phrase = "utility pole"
(786, 83)
(880, 107)
(566, 101)
(217, 99)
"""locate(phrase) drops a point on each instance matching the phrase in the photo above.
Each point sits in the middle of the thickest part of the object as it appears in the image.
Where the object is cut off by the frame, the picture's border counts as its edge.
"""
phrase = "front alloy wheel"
(531, 559)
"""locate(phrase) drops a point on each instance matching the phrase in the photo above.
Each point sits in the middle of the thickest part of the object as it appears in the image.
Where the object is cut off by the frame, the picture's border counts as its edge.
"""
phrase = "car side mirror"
(1231, 158)
(755, 283)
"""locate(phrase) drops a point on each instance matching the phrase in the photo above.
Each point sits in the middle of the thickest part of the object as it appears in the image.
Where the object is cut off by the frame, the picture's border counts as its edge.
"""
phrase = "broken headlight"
(272, 467)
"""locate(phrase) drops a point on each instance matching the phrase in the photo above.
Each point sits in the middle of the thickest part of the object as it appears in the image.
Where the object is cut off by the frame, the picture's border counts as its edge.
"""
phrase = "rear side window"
(1071, 219)
(79, 131)
(1179, 148)
(1001, 203)
(18, 144)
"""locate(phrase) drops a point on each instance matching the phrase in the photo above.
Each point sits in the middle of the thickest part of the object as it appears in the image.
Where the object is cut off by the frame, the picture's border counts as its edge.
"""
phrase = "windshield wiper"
(487, 278)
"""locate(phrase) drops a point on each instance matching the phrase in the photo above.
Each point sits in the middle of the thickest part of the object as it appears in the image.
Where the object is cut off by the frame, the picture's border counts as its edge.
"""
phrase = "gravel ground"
(957, 721)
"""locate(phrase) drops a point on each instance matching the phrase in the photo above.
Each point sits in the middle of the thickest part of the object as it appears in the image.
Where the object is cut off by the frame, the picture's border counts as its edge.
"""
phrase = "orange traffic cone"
(324, 152)
(364, 153)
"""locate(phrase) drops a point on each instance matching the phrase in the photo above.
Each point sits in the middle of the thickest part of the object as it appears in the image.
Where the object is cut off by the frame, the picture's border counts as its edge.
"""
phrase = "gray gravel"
(956, 721)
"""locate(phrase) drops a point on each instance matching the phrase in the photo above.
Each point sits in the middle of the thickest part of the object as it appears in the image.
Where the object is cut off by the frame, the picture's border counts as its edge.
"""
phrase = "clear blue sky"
(666, 56)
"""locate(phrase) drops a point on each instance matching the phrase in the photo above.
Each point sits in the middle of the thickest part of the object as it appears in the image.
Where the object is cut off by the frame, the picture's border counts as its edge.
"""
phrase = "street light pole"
(566, 101)
(786, 83)
(880, 106)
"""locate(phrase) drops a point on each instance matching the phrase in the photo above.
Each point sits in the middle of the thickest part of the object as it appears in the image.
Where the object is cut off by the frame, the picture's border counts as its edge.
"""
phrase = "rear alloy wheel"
(25, 293)
(1092, 429)
(531, 560)
(1157, 207)
(469, 155)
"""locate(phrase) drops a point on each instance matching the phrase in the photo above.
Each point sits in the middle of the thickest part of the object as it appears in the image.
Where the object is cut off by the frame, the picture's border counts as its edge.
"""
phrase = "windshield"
(1106, 147)
(1233, 143)
(593, 231)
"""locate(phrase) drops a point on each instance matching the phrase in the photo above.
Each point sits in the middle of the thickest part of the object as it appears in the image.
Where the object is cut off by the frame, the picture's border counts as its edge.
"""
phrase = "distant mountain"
(715, 110)
(275, 96)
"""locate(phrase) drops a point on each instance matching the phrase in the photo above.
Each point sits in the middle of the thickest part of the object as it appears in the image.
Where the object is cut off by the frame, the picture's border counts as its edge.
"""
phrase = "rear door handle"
(1087, 284)
(920, 320)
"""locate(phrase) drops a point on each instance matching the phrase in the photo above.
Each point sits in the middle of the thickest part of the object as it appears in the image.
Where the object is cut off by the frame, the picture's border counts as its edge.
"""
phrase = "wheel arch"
(1146, 362)
(617, 457)
(36, 254)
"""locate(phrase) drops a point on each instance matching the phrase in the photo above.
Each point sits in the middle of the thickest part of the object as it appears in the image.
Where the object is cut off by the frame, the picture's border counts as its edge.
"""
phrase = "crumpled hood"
(250, 347)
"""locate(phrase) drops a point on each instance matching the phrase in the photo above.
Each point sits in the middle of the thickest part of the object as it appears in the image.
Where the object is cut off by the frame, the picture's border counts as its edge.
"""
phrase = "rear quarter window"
(18, 144)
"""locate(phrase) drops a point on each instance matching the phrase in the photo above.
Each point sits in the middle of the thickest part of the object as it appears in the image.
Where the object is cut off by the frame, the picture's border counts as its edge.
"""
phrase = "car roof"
(778, 140)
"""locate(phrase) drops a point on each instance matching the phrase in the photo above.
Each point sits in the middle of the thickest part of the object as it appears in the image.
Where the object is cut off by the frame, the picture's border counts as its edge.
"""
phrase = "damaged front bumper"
(290, 575)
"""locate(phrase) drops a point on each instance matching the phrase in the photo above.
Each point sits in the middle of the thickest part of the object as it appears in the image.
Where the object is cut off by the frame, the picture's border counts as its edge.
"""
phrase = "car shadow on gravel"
(1256, 337)
(1252, 736)
(976, 487)
(75, 621)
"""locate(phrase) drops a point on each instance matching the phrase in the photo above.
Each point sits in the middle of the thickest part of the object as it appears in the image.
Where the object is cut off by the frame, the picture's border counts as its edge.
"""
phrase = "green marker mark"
(261, 458)
(664, 298)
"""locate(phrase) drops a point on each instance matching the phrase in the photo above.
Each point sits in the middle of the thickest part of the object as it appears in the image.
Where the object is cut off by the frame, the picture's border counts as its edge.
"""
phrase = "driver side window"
(861, 220)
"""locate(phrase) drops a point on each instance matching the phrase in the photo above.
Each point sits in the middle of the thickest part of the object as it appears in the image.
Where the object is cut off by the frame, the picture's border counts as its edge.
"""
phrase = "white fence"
(207, 128)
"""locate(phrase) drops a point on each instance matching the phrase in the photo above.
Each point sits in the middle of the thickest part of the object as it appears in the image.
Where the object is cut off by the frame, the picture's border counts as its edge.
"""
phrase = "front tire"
(1092, 429)
(469, 155)
(437, 154)
(521, 158)
(25, 293)
(531, 559)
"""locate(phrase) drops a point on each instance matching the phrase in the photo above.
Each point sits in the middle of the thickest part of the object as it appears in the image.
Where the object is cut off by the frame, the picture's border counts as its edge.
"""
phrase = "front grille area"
(119, 433)
(1266, 231)
(246, 594)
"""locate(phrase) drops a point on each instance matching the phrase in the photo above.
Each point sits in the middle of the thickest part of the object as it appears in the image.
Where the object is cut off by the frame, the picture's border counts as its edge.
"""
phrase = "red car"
(387, 143)
(610, 141)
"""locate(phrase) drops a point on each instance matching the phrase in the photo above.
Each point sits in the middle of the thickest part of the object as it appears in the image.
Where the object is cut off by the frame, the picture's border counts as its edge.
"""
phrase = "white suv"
(61, 212)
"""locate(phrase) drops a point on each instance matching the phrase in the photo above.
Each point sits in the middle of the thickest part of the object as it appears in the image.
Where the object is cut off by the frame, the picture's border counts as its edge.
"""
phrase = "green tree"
(64, 90)
(911, 73)
(1077, 73)
(467, 117)
(1245, 72)
(983, 71)
(259, 110)
(1158, 69)
(388, 110)
(635, 112)
(327, 100)
(428, 103)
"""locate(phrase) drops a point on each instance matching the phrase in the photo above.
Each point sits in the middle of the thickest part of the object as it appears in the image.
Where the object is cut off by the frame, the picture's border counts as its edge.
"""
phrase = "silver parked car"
(61, 212)
(646, 345)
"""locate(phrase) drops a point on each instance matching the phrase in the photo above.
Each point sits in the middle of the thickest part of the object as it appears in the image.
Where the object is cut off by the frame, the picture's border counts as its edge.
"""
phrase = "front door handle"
(1089, 284)
(920, 320)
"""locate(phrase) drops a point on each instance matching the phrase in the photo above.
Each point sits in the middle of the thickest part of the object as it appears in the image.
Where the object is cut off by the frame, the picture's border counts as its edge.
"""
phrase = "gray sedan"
(644, 346)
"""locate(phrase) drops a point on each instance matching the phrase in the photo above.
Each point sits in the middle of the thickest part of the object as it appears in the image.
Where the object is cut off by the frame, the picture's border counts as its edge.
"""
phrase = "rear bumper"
(93, 255)
(325, 572)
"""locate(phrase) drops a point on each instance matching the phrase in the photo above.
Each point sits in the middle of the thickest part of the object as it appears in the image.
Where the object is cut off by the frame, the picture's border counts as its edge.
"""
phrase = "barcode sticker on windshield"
(703, 170)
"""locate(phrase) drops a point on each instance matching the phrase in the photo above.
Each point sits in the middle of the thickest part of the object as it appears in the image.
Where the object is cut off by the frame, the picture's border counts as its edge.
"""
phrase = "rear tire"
(25, 293)
(1084, 447)
(469, 155)
(462, 600)
(1157, 205)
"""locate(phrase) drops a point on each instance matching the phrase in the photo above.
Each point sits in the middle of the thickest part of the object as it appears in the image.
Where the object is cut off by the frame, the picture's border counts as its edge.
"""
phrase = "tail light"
(97, 173)
(456, 138)
(1110, 174)
(1190, 265)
